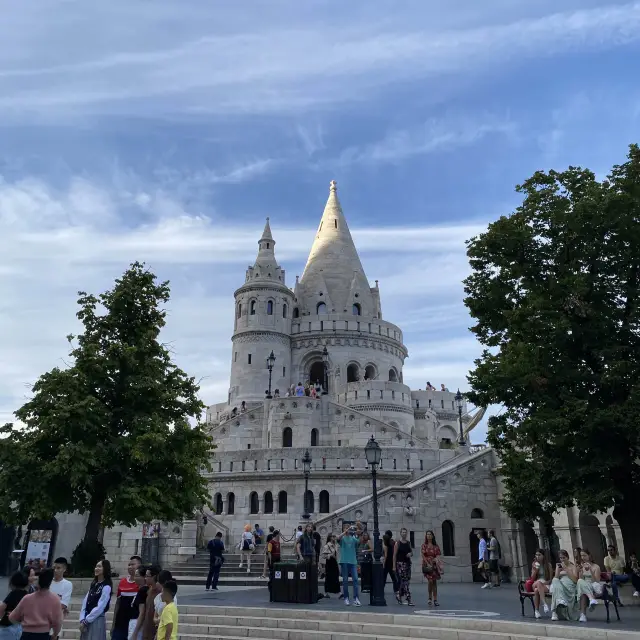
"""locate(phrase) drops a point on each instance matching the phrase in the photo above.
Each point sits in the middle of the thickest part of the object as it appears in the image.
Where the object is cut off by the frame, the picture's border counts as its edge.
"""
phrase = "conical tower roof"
(333, 268)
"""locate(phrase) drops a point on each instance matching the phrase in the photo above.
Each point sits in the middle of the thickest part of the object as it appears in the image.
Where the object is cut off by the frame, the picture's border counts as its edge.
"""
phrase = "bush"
(85, 557)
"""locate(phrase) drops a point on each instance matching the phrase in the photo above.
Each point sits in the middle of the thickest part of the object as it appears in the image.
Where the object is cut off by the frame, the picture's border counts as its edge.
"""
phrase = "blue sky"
(167, 131)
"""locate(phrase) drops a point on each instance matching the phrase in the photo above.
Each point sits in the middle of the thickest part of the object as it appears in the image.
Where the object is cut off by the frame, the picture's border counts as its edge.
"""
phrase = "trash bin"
(283, 583)
(307, 582)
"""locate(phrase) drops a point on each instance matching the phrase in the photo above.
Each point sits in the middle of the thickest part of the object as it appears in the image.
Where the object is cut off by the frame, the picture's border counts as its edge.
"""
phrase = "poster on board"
(38, 548)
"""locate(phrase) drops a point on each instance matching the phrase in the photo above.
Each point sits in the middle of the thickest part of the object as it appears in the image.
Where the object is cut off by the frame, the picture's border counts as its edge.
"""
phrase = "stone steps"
(299, 623)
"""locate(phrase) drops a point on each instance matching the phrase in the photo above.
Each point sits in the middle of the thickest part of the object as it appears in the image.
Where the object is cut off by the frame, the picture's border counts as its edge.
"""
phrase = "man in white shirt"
(62, 587)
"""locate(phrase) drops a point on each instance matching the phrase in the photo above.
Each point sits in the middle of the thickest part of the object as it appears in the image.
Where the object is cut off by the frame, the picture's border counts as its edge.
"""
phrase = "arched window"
(287, 437)
(284, 310)
(254, 503)
(239, 312)
(393, 375)
(231, 504)
(477, 514)
(314, 437)
(356, 310)
(296, 312)
(324, 502)
(352, 373)
(270, 307)
(282, 502)
(268, 502)
(448, 546)
(310, 505)
(217, 503)
(370, 372)
(252, 308)
(321, 308)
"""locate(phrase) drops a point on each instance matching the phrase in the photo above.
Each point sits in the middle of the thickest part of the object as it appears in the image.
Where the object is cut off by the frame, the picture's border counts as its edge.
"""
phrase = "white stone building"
(426, 481)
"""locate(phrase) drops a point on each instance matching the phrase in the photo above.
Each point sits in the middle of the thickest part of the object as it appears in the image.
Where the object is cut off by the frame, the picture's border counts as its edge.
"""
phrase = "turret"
(263, 309)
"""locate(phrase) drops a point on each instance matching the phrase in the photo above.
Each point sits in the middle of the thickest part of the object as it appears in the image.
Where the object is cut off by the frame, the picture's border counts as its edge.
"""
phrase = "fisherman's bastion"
(329, 331)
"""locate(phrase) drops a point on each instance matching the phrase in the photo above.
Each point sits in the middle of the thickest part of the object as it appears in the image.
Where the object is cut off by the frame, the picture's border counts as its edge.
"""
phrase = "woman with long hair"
(563, 589)
(365, 559)
(431, 567)
(329, 566)
(96, 604)
(539, 581)
(388, 544)
(402, 553)
(18, 585)
(589, 586)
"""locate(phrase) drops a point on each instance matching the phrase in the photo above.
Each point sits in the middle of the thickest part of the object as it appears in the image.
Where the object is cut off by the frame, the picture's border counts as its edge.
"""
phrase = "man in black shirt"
(216, 560)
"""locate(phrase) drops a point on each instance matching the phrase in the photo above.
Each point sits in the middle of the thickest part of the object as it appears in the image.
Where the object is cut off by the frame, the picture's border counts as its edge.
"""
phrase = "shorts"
(493, 566)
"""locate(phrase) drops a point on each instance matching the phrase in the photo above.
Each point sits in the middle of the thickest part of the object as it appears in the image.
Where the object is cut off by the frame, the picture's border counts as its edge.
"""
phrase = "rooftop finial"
(333, 186)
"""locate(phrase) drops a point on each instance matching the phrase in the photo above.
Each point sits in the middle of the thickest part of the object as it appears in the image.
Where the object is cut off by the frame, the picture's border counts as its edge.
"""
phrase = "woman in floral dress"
(431, 565)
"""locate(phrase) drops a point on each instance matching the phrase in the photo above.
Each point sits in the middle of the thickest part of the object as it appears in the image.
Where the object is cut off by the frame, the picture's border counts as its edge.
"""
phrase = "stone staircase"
(299, 623)
(194, 570)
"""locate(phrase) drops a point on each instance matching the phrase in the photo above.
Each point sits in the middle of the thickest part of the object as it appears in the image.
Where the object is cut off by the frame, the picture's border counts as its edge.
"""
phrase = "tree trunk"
(628, 516)
(92, 530)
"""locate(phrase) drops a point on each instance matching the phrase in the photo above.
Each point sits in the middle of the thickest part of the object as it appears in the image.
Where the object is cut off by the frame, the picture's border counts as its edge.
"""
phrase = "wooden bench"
(605, 597)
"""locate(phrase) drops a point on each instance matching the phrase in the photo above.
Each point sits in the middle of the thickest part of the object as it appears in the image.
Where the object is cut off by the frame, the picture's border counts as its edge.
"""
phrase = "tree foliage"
(110, 435)
(554, 292)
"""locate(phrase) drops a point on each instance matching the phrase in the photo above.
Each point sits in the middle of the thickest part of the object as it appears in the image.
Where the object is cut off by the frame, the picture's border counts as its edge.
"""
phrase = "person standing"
(168, 627)
(318, 543)
(40, 612)
(95, 605)
(216, 560)
(494, 558)
(158, 603)
(148, 627)
(273, 556)
(349, 563)
(402, 554)
(265, 566)
(258, 534)
(127, 590)
(247, 545)
(329, 566)
(483, 559)
(388, 544)
(306, 546)
(138, 605)
(431, 567)
(62, 587)
(18, 584)
(614, 564)
(365, 560)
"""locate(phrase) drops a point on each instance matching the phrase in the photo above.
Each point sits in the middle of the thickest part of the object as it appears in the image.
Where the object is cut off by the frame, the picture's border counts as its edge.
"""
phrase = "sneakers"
(356, 602)
(545, 607)
(636, 594)
(346, 601)
(554, 617)
(592, 604)
(249, 570)
(583, 618)
(486, 585)
(536, 613)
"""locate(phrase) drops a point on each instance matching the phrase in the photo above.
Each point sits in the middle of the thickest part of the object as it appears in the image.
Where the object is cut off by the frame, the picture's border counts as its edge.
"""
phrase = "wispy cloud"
(208, 69)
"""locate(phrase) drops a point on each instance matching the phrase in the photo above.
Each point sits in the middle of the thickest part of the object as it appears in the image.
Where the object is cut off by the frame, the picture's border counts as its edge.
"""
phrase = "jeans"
(616, 579)
(346, 570)
(390, 572)
(12, 632)
(214, 575)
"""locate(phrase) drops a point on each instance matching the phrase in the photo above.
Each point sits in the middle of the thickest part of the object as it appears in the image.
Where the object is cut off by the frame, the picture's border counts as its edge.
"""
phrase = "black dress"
(332, 576)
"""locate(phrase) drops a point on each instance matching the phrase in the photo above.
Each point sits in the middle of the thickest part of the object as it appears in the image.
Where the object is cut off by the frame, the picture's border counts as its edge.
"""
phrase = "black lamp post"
(306, 467)
(270, 361)
(373, 453)
(459, 402)
(325, 361)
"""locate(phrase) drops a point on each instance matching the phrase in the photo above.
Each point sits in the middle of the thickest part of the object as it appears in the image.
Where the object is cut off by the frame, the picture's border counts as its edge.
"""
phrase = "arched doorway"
(353, 373)
(531, 542)
(282, 502)
(217, 503)
(314, 437)
(448, 539)
(231, 504)
(268, 502)
(316, 374)
(324, 501)
(254, 503)
(287, 438)
(592, 538)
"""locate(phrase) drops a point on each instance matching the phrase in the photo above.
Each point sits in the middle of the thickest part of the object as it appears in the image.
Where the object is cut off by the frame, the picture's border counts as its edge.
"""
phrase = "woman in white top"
(247, 545)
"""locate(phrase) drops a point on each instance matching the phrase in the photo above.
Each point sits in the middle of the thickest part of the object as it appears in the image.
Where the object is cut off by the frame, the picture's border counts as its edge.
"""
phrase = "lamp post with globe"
(373, 453)
(459, 403)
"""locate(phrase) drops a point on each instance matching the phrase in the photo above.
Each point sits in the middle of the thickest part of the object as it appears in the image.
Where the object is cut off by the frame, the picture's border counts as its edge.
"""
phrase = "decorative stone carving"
(262, 336)
(358, 515)
(392, 499)
(294, 405)
(471, 470)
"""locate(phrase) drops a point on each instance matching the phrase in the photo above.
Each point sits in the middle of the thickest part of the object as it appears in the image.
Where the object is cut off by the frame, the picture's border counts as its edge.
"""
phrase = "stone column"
(260, 504)
(224, 506)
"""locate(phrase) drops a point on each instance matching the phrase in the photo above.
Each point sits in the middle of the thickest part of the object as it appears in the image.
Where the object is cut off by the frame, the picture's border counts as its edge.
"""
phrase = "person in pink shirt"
(39, 612)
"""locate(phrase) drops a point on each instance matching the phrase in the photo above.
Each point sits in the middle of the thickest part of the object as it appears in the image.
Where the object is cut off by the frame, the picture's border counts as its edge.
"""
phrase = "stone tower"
(263, 310)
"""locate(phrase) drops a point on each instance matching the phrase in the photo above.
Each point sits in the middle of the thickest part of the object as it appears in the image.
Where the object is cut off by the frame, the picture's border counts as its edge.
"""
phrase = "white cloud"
(46, 267)
(224, 61)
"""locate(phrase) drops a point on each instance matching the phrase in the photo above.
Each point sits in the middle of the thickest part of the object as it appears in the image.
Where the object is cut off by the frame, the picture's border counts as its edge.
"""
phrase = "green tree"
(109, 435)
(554, 291)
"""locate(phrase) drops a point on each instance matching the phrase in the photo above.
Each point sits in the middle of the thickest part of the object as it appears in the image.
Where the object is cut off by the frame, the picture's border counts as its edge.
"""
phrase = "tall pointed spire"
(266, 265)
(266, 234)
(333, 268)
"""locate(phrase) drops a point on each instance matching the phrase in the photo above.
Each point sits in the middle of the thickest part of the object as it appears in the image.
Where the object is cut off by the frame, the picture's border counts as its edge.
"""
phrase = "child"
(168, 629)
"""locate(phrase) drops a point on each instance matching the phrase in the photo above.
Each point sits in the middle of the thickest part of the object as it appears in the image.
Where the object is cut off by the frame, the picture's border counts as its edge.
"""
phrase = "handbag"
(427, 569)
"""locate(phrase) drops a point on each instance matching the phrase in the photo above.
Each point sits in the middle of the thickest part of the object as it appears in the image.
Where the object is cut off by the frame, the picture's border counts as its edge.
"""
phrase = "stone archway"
(316, 373)
(592, 538)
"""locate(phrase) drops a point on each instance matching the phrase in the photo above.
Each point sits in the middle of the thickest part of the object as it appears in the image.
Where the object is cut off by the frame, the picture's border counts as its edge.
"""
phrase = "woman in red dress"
(431, 565)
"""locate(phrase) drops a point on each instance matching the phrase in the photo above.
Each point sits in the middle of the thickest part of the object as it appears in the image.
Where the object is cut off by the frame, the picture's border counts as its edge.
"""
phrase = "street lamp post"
(459, 402)
(373, 453)
(325, 361)
(306, 467)
(270, 361)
